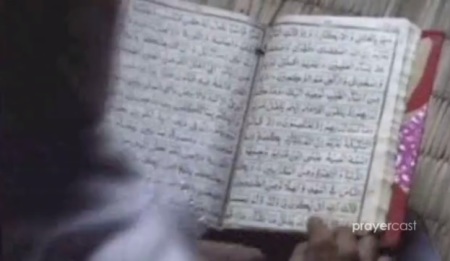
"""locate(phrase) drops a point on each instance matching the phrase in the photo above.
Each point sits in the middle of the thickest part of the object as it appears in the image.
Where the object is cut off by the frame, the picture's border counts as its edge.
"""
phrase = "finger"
(299, 252)
(318, 231)
(347, 244)
(321, 244)
(325, 251)
(368, 248)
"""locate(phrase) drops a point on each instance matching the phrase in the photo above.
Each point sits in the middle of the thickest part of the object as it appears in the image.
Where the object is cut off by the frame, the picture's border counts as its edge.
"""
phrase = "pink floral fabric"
(411, 133)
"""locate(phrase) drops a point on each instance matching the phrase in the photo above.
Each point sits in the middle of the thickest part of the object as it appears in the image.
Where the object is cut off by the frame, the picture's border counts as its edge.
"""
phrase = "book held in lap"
(262, 127)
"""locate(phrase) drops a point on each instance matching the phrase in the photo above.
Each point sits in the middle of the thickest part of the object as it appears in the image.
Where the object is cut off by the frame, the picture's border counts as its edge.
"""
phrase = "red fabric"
(420, 96)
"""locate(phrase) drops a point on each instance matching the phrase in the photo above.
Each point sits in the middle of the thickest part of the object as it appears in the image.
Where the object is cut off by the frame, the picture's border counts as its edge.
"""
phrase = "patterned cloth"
(411, 133)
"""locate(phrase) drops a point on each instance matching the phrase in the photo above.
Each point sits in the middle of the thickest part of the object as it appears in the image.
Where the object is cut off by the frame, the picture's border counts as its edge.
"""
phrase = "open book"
(259, 127)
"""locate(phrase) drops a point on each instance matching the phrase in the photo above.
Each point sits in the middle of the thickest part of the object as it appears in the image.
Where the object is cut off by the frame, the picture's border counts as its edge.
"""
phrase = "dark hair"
(55, 58)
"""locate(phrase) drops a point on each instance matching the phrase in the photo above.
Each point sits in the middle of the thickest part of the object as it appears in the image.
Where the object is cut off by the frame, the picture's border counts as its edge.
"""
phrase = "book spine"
(411, 136)
(259, 52)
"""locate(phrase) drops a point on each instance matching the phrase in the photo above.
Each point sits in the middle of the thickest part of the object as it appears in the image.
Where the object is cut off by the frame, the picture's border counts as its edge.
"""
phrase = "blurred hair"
(63, 195)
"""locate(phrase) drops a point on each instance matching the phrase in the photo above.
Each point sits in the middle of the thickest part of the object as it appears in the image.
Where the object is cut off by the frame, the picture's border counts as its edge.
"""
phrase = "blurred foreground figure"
(64, 196)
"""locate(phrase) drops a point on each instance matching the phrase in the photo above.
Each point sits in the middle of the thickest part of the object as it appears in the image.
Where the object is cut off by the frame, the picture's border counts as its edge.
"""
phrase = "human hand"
(339, 245)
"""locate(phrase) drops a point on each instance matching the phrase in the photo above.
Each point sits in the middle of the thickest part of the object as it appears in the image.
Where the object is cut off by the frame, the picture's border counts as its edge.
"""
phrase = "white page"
(322, 123)
(182, 84)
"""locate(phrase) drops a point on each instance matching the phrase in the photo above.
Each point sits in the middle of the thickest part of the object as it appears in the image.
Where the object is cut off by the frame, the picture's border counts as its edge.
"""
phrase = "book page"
(182, 84)
(322, 123)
